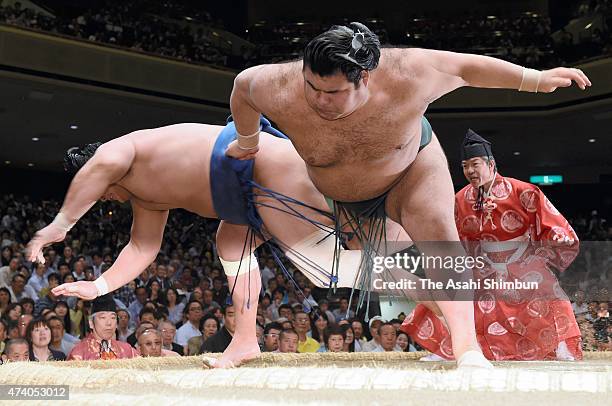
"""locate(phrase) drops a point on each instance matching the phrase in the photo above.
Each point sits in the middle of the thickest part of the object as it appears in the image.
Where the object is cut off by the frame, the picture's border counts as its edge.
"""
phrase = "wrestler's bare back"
(171, 168)
(360, 156)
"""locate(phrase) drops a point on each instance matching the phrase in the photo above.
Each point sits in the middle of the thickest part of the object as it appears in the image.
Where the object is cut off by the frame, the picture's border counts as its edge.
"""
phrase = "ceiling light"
(35, 139)
(30, 164)
(592, 140)
(74, 127)
(517, 153)
(7, 162)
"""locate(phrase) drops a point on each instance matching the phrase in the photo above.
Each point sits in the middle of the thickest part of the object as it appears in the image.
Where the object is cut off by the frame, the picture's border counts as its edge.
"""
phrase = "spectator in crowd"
(96, 265)
(343, 312)
(77, 319)
(209, 326)
(123, 325)
(349, 338)
(285, 311)
(101, 344)
(47, 314)
(60, 341)
(271, 337)
(67, 259)
(7, 253)
(403, 342)
(360, 339)
(592, 309)
(143, 278)
(13, 329)
(5, 300)
(125, 294)
(220, 290)
(3, 334)
(161, 276)
(17, 350)
(150, 344)
(375, 323)
(7, 272)
(277, 297)
(387, 335)
(18, 289)
(288, 341)
(49, 298)
(261, 317)
(319, 322)
(175, 305)
(38, 335)
(63, 312)
(153, 291)
(27, 305)
(396, 323)
(38, 280)
(286, 324)
(193, 314)
(141, 299)
(334, 339)
(13, 312)
(168, 331)
(221, 340)
(208, 301)
(302, 327)
(324, 308)
(601, 323)
(268, 273)
(146, 315)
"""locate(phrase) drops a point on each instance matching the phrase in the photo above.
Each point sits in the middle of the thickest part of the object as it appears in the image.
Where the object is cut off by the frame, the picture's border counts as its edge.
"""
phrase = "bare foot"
(473, 359)
(239, 351)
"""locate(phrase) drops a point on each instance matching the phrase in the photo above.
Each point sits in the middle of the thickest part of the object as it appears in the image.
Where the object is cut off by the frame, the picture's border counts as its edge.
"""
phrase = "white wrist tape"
(101, 285)
(247, 142)
(237, 268)
(530, 82)
(62, 222)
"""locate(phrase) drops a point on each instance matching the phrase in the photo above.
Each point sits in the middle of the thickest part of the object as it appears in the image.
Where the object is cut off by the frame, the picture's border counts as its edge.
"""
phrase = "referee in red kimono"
(101, 342)
(511, 324)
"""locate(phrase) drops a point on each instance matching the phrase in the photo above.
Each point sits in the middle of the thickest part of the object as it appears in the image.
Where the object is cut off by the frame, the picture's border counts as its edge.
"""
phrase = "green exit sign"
(546, 179)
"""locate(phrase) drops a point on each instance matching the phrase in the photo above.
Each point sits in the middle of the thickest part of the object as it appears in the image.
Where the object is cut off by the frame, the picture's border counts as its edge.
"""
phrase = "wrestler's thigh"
(283, 171)
(423, 201)
(232, 244)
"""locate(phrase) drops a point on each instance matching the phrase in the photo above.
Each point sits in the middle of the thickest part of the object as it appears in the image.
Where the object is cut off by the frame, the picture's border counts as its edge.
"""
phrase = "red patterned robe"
(511, 325)
(89, 349)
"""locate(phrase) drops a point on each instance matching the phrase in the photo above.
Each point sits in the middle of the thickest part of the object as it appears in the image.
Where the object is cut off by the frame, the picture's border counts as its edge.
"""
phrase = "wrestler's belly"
(357, 181)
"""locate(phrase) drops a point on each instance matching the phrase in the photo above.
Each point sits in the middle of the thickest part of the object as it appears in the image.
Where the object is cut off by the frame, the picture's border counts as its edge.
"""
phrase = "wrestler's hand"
(81, 289)
(562, 77)
(234, 151)
(43, 238)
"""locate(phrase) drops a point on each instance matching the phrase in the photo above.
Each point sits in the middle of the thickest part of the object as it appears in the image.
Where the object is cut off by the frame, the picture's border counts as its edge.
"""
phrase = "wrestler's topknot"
(76, 157)
(334, 51)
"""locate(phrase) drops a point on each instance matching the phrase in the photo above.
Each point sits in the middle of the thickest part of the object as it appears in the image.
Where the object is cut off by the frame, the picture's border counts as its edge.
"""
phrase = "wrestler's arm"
(109, 164)
(443, 72)
(142, 249)
(245, 113)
